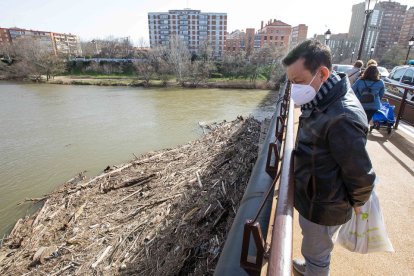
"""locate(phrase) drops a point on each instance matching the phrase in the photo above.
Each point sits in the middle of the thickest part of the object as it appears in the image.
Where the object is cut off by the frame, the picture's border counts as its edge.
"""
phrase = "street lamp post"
(352, 56)
(327, 36)
(371, 51)
(369, 6)
(96, 46)
(410, 44)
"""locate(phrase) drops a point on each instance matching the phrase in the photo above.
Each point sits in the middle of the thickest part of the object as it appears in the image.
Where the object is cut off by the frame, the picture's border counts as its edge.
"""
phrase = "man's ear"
(325, 73)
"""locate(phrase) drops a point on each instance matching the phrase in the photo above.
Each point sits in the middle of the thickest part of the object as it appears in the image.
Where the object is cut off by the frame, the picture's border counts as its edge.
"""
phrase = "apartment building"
(240, 40)
(357, 21)
(235, 41)
(57, 43)
(193, 27)
(392, 16)
(275, 33)
(384, 27)
(407, 28)
(66, 44)
(43, 38)
(299, 34)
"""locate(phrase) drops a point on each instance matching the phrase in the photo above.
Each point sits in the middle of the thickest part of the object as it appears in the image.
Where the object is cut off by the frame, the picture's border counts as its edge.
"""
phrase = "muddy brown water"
(48, 133)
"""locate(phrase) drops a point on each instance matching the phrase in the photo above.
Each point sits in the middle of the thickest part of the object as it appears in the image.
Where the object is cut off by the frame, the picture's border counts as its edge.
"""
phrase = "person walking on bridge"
(355, 72)
(333, 174)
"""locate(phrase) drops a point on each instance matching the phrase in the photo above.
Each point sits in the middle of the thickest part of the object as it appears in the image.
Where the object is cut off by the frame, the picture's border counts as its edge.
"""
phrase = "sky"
(91, 19)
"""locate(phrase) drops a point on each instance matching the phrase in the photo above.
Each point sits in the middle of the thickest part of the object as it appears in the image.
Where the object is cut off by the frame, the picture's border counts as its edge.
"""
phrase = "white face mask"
(303, 93)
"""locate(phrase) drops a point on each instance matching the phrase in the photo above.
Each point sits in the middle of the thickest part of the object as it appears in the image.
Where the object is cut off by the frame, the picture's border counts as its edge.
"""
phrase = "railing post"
(402, 107)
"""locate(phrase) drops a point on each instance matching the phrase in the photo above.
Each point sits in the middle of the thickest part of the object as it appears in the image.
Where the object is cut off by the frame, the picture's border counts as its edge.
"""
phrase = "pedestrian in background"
(370, 82)
(355, 72)
(372, 62)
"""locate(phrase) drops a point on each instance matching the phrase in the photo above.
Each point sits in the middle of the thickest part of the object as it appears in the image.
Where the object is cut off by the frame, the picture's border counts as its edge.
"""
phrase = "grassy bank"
(104, 80)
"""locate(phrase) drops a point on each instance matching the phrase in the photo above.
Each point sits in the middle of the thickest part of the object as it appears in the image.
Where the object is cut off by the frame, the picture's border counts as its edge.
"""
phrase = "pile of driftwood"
(164, 213)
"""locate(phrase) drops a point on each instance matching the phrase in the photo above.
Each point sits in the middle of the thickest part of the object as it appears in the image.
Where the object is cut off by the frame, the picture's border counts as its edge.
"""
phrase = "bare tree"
(29, 58)
(89, 48)
(201, 66)
(265, 61)
(234, 64)
(52, 66)
(162, 66)
(145, 69)
(179, 58)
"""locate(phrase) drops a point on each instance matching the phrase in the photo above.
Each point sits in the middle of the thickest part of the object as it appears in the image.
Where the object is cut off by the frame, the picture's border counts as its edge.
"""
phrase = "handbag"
(366, 233)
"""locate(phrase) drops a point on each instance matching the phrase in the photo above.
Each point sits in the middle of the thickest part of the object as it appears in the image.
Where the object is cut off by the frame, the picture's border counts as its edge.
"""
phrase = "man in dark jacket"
(333, 172)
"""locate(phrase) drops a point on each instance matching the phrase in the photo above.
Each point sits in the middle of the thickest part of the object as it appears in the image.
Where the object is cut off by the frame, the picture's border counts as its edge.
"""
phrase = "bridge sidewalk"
(393, 160)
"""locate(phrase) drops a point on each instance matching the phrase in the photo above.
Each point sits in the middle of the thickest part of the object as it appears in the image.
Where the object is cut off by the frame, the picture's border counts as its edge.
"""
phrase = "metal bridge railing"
(403, 107)
(241, 254)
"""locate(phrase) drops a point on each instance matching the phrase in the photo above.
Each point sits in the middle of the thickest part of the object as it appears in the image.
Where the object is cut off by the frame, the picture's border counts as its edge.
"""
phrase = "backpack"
(366, 94)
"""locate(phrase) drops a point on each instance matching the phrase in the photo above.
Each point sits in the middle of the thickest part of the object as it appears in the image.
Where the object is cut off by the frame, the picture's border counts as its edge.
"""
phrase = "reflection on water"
(48, 133)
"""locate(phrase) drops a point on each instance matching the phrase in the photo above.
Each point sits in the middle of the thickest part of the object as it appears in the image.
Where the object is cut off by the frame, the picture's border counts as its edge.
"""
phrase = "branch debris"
(165, 213)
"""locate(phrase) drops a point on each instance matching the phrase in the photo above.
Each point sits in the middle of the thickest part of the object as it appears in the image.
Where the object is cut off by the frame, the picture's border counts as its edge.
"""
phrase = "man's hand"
(357, 210)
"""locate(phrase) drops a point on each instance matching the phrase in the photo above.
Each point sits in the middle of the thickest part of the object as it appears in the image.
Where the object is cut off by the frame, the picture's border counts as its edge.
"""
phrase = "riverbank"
(167, 212)
(130, 81)
(134, 82)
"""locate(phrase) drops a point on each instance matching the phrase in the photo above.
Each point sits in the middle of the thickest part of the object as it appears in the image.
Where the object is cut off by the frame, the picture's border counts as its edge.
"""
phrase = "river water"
(49, 133)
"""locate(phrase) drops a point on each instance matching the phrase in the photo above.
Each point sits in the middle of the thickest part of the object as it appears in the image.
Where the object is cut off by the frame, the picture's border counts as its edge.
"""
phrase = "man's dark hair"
(315, 54)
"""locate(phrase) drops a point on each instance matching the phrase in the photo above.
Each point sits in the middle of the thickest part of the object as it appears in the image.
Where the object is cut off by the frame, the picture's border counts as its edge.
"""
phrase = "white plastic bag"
(366, 232)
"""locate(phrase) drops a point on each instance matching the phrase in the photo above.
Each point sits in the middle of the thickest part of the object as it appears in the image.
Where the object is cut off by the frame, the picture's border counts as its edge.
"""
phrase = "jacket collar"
(338, 91)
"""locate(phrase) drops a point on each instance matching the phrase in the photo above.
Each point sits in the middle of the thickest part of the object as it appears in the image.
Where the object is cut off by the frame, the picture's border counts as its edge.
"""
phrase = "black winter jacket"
(333, 171)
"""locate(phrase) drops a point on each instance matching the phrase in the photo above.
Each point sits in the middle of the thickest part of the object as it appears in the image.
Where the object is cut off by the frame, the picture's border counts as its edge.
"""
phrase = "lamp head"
(411, 41)
(328, 34)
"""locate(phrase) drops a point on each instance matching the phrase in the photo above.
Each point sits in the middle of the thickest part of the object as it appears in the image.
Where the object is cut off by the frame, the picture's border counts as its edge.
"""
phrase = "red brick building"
(275, 33)
(5, 36)
(234, 41)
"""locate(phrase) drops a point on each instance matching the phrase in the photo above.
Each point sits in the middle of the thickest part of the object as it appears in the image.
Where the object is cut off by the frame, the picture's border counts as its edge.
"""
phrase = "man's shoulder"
(347, 107)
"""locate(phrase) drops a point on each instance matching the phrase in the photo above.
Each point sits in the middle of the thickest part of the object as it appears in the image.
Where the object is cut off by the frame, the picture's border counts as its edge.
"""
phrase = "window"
(398, 74)
(408, 77)
(265, 37)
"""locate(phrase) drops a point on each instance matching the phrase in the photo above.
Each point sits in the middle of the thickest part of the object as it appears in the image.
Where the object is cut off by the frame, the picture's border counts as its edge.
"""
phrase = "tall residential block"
(193, 27)
(407, 29)
(299, 34)
(383, 28)
(392, 20)
(357, 21)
